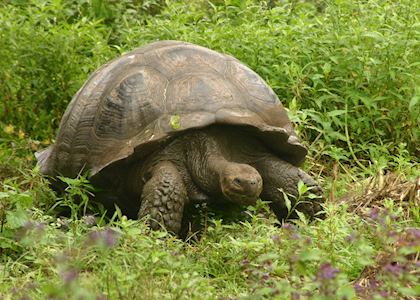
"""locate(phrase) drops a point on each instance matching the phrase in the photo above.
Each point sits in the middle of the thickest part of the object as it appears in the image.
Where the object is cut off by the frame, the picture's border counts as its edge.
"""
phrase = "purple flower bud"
(327, 272)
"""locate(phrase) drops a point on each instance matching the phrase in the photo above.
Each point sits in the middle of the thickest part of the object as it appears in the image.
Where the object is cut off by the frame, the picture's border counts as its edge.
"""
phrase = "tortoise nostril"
(253, 182)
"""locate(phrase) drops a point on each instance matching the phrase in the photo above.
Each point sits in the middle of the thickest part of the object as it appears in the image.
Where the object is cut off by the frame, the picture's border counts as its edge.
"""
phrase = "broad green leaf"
(374, 35)
(302, 217)
(337, 112)
(16, 219)
(310, 255)
(413, 102)
(286, 201)
(302, 188)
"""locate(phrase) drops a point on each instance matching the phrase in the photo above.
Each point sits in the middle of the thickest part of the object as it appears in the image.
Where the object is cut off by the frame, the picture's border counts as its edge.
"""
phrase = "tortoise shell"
(137, 102)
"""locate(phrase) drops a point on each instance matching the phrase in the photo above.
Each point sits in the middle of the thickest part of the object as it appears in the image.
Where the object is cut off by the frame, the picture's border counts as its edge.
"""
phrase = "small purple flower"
(383, 294)
(296, 236)
(276, 238)
(30, 229)
(359, 289)
(351, 237)
(288, 227)
(392, 234)
(295, 296)
(373, 283)
(69, 276)
(265, 276)
(111, 237)
(245, 262)
(94, 237)
(327, 272)
(374, 214)
(415, 233)
(394, 269)
(108, 237)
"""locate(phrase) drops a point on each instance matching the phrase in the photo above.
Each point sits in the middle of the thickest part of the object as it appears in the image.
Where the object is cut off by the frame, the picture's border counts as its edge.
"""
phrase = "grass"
(346, 70)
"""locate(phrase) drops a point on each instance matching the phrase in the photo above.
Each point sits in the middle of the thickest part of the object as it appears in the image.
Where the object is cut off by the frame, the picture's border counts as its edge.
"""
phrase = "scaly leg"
(278, 174)
(163, 198)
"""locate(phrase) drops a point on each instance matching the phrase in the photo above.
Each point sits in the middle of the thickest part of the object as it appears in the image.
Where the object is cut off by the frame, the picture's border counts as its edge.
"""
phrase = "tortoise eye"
(237, 181)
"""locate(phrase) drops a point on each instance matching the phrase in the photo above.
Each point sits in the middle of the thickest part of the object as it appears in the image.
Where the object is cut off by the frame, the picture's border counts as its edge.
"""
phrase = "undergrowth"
(346, 70)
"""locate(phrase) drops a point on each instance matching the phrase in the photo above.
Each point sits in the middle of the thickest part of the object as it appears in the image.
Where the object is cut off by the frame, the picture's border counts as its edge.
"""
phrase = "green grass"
(346, 70)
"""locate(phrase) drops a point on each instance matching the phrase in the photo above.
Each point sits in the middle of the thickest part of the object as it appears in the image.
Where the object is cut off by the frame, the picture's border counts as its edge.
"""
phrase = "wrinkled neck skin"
(205, 161)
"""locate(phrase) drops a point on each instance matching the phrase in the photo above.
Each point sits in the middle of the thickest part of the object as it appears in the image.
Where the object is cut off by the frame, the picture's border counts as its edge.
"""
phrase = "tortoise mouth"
(241, 198)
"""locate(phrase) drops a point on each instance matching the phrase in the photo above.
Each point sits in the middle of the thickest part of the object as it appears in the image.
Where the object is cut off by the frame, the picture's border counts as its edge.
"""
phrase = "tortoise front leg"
(278, 174)
(164, 197)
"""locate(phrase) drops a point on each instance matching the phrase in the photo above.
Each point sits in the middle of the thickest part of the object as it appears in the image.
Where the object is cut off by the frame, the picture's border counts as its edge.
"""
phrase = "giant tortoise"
(172, 123)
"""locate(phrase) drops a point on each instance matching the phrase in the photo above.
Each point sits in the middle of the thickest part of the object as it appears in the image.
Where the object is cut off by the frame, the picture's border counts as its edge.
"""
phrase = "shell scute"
(131, 105)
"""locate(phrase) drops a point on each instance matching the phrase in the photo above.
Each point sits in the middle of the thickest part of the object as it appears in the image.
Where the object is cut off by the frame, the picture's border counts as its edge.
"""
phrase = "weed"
(347, 71)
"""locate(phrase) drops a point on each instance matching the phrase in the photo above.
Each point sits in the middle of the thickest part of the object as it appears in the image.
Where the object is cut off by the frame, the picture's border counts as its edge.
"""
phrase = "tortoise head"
(240, 183)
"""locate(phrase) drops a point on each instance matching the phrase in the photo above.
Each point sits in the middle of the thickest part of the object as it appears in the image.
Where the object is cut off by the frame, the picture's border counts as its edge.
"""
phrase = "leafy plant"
(347, 71)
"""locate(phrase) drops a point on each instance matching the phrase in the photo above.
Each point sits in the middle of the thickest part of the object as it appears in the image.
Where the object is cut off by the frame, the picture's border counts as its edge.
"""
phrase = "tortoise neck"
(205, 161)
(208, 174)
